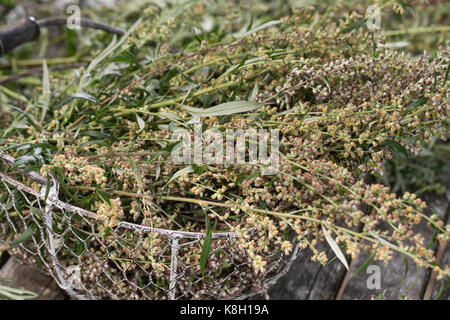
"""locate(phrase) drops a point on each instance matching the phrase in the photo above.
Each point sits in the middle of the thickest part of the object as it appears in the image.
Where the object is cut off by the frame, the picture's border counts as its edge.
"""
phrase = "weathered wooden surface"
(25, 277)
(395, 283)
(439, 289)
(445, 294)
(309, 280)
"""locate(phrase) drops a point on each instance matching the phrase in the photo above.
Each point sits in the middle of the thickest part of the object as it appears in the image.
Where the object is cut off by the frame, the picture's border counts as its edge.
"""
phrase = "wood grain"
(25, 277)
(392, 273)
(309, 280)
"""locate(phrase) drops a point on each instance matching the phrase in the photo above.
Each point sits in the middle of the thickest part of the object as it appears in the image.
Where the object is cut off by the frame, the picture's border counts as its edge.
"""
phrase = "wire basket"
(127, 261)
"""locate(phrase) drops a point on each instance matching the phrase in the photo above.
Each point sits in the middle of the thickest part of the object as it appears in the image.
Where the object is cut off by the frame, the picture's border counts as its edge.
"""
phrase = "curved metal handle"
(25, 30)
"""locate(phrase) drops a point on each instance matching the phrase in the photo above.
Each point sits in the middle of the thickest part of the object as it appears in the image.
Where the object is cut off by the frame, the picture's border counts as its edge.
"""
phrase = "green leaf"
(254, 92)
(366, 264)
(259, 28)
(79, 95)
(16, 294)
(61, 179)
(187, 169)
(232, 68)
(29, 119)
(224, 108)
(206, 246)
(383, 241)
(104, 197)
(200, 169)
(87, 77)
(395, 146)
(268, 184)
(140, 122)
(44, 99)
(381, 295)
(240, 178)
(97, 134)
(405, 261)
(8, 3)
(418, 103)
(165, 150)
(23, 160)
(337, 251)
(43, 145)
(416, 279)
(356, 25)
(442, 287)
(446, 75)
(47, 188)
(30, 146)
(433, 238)
(23, 237)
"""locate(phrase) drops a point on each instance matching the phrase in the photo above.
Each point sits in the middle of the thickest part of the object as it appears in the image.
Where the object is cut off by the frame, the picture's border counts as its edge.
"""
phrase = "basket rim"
(10, 161)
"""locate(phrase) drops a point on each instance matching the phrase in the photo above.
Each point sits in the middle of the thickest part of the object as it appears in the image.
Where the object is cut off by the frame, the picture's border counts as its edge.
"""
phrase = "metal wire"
(127, 261)
(88, 23)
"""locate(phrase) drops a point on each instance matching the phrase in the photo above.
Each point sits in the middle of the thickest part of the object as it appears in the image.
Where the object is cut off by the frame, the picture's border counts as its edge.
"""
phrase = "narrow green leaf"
(23, 160)
(44, 99)
(140, 122)
(441, 288)
(104, 197)
(87, 76)
(187, 169)
(395, 146)
(165, 150)
(381, 295)
(47, 188)
(16, 294)
(23, 237)
(232, 68)
(358, 24)
(337, 251)
(259, 28)
(224, 108)
(97, 134)
(446, 75)
(8, 3)
(405, 261)
(418, 103)
(383, 241)
(62, 181)
(29, 119)
(416, 279)
(29, 146)
(240, 177)
(254, 92)
(355, 25)
(80, 95)
(366, 264)
(433, 238)
(206, 246)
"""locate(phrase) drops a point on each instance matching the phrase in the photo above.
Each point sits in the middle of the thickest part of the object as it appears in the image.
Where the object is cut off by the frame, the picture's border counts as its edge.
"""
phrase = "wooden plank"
(29, 278)
(309, 280)
(443, 254)
(392, 273)
(439, 289)
(445, 294)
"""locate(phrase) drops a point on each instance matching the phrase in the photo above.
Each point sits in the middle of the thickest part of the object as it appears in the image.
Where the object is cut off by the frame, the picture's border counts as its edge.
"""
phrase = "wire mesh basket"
(127, 261)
